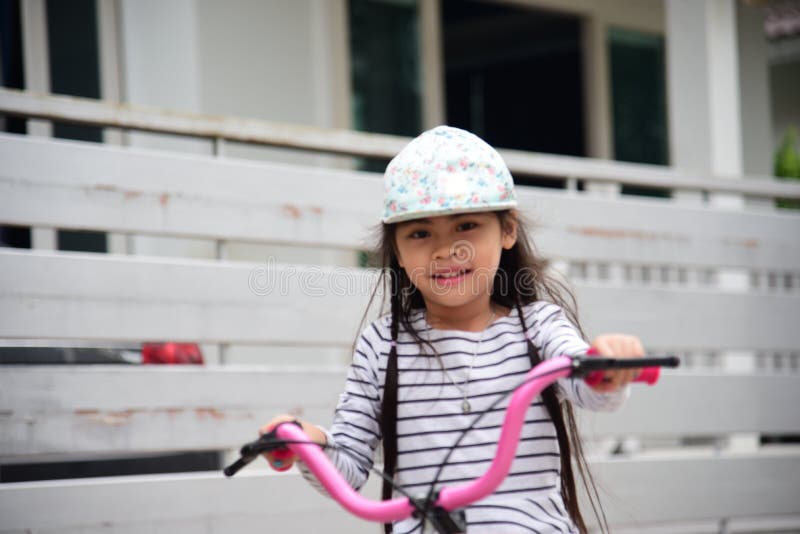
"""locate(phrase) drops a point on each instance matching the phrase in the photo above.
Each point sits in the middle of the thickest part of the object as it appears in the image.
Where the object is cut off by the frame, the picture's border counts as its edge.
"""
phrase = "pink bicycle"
(443, 509)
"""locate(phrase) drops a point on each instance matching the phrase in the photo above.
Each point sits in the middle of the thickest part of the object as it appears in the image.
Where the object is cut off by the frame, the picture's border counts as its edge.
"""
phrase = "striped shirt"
(430, 418)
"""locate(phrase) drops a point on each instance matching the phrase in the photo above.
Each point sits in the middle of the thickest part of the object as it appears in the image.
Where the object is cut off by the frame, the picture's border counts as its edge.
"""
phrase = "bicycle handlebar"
(449, 498)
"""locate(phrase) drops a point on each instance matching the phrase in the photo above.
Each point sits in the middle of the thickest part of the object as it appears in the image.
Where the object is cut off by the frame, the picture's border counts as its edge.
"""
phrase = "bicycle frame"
(448, 498)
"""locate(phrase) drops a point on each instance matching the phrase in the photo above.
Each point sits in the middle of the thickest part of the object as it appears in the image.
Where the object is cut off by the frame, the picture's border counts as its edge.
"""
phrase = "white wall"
(275, 60)
(159, 63)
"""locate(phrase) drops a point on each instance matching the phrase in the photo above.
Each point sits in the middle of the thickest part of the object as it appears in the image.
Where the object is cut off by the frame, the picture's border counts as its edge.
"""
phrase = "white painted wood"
(115, 388)
(100, 297)
(644, 490)
(151, 193)
(702, 404)
(89, 111)
(151, 119)
(75, 185)
(81, 410)
(696, 319)
(780, 523)
(772, 524)
(44, 238)
(185, 503)
(640, 491)
(654, 232)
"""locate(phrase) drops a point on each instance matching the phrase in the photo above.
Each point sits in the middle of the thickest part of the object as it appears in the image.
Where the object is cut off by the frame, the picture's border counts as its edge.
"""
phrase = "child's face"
(453, 259)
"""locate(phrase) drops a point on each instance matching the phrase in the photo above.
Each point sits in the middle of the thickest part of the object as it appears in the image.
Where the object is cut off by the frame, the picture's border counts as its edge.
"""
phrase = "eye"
(418, 234)
(465, 226)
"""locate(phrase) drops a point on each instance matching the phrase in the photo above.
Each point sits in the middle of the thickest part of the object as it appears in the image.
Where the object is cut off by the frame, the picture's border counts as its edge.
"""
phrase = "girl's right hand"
(282, 460)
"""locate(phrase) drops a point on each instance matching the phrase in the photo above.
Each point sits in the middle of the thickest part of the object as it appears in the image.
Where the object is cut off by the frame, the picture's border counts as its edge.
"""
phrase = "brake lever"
(252, 450)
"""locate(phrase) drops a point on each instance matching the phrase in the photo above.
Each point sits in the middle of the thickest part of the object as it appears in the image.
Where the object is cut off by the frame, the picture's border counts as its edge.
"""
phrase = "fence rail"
(75, 411)
(334, 141)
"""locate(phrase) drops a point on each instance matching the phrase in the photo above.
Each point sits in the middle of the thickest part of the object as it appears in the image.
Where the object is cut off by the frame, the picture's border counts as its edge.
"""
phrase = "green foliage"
(787, 164)
(787, 159)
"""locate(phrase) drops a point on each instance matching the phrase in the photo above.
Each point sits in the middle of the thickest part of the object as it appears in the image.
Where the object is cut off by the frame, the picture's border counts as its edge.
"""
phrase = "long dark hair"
(522, 278)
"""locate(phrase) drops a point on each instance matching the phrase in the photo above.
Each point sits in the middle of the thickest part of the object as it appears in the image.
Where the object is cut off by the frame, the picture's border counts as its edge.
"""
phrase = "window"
(384, 58)
(638, 96)
(513, 76)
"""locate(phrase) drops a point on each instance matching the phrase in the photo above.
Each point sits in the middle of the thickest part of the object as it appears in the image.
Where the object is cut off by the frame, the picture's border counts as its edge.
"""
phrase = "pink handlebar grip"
(648, 375)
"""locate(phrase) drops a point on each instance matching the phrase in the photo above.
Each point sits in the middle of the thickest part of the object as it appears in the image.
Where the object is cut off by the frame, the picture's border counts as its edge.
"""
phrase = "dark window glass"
(74, 60)
(638, 97)
(384, 57)
(15, 236)
(12, 73)
(167, 463)
(82, 241)
(514, 76)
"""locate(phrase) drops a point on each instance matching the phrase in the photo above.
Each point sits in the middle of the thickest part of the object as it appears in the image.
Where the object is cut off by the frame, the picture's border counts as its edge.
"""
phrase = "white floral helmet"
(444, 171)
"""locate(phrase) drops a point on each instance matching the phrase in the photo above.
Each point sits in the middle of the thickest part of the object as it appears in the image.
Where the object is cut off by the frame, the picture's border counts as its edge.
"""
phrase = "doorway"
(514, 76)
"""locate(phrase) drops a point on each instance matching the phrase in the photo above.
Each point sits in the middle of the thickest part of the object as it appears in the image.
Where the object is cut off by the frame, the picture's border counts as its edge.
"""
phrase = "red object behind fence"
(171, 353)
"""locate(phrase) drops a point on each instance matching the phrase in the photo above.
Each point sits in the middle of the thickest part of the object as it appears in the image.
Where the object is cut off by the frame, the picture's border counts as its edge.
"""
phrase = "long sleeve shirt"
(431, 390)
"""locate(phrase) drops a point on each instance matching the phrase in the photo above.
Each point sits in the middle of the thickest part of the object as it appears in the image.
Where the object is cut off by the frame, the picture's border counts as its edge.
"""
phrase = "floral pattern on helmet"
(443, 171)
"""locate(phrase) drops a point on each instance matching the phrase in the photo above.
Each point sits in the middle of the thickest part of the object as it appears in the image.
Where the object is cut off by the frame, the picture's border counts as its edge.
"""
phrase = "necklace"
(466, 407)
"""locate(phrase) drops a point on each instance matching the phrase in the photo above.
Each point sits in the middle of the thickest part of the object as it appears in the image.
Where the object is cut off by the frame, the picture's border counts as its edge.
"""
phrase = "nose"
(443, 249)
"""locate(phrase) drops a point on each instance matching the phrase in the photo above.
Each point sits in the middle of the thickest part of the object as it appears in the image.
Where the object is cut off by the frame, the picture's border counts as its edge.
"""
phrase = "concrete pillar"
(757, 146)
(596, 67)
(36, 61)
(687, 85)
(36, 58)
(704, 99)
(433, 105)
(718, 80)
(724, 99)
(703, 86)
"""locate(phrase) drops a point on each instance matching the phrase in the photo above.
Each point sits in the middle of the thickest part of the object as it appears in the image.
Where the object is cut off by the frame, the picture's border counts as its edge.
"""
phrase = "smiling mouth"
(450, 275)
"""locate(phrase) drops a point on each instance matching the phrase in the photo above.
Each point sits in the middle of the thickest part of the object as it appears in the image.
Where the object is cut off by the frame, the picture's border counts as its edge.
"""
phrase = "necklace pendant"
(465, 407)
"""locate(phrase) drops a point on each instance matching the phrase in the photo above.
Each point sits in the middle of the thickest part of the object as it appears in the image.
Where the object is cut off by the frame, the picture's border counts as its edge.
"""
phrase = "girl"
(472, 309)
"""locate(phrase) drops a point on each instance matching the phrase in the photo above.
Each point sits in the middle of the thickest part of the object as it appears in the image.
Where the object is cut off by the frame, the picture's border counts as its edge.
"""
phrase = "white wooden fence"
(720, 287)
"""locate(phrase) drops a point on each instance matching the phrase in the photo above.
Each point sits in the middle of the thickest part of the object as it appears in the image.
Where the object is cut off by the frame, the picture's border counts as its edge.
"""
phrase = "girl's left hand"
(617, 346)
